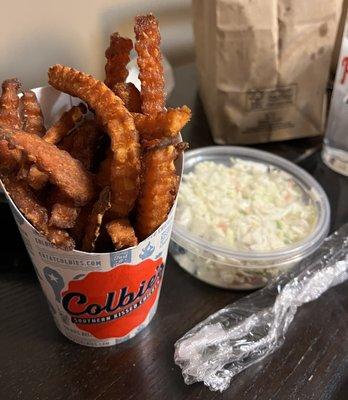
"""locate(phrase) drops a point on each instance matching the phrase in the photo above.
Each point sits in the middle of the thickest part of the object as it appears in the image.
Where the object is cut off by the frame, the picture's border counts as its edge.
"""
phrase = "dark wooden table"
(37, 362)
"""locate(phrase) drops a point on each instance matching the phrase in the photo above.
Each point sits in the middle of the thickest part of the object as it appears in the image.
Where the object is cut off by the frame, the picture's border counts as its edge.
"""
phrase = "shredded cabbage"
(247, 206)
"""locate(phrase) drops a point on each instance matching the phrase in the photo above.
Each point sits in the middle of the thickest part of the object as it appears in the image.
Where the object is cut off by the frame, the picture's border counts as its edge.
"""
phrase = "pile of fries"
(102, 179)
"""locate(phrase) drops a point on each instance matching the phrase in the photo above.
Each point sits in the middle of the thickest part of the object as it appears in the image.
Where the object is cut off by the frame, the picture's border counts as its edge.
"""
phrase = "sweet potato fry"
(32, 114)
(32, 123)
(117, 55)
(98, 96)
(121, 233)
(63, 211)
(125, 170)
(164, 124)
(9, 159)
(64, 214)
(36, 178)
(65, 124)
(95, 220)
(26, 201)
(63, 170)
(151, 76)
(9, 104)
(130, 96)
(9, 116)
(81, 143)
(36, 213)
(119, 125)
(159, 187)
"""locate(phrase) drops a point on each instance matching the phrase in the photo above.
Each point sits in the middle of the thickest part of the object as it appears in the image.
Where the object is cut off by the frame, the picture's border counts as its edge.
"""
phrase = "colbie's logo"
(111, 304)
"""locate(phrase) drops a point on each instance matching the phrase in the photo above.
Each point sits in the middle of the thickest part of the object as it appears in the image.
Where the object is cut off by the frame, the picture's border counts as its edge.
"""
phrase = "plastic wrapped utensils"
(245, 332)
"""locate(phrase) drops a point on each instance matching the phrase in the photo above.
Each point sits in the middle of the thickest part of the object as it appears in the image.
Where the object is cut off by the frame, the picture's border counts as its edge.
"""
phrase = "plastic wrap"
(246, 331)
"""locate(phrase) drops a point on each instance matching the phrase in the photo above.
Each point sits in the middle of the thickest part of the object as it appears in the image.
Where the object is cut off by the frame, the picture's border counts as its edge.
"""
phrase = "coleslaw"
(246, 206)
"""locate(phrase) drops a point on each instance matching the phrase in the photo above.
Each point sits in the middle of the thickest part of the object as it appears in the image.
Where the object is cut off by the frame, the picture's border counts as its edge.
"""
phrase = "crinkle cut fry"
(25, 199)
(32, 123)
(64, 171)
(159, 187)
(121, 233)
(164, 124)
(130, 96)
(36, 178)
(95, 220)
(119, 125)
(10, 117)
(117, 55)
(9, 104)
(98, 96)
(151, 75)
(32, 115)
(125, 170)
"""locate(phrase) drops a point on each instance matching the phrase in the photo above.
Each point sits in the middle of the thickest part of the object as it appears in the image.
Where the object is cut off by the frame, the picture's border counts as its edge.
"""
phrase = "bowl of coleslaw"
(245, 215)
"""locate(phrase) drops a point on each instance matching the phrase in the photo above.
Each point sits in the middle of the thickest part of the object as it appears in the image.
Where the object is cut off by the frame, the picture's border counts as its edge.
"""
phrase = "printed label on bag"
(265, 99)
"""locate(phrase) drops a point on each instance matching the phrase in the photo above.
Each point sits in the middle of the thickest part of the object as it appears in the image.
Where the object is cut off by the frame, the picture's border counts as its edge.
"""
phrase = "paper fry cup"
(96, 299)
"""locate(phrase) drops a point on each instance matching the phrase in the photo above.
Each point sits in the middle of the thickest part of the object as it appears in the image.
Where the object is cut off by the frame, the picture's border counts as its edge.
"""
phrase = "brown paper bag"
(263, 66)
